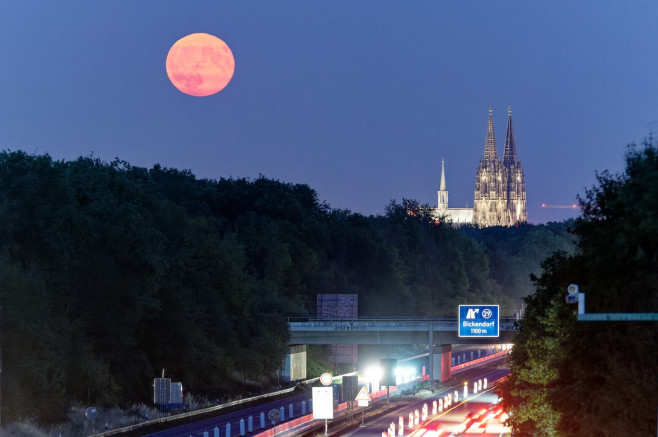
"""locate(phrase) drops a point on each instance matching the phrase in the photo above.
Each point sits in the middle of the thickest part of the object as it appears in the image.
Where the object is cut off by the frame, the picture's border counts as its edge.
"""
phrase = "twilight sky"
(358, 99)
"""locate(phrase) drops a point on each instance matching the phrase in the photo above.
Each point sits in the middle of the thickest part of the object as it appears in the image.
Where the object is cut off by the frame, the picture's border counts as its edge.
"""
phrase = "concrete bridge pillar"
(431, 354)
(440, 359)
(442, 362)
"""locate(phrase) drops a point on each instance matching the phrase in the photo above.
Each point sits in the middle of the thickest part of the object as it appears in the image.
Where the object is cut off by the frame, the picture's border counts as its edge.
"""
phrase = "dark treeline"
(576, 378)
(110, 273)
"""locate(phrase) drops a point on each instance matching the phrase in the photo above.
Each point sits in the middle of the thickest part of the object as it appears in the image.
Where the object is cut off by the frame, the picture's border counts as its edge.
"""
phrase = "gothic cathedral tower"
(516, 205)
(500, 198)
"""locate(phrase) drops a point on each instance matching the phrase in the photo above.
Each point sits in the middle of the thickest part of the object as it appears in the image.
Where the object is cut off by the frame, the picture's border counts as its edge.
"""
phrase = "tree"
(600, 377)
(110, 273)
(538, 352)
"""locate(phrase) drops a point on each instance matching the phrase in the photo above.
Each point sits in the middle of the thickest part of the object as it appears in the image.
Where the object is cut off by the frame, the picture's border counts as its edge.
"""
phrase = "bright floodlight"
(373, 373)
(404, 374)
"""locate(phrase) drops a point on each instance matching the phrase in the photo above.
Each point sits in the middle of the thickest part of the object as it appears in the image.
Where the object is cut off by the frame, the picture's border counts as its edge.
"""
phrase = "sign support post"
(362, 400)
(323, 401)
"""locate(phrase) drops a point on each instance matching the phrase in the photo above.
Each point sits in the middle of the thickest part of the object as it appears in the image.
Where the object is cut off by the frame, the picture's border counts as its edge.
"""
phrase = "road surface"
(461, 418)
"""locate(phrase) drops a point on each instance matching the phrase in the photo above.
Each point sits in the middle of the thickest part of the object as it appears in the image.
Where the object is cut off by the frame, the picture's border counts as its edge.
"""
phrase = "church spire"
(442, 187)
(490, 151)
(509, 153)
(442, 193)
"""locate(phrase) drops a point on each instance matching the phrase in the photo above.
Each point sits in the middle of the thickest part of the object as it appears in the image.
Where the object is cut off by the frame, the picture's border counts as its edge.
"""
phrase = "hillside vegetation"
(110, 273)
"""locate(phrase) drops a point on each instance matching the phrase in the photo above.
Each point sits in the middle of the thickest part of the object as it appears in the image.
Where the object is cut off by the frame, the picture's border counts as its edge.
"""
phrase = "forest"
(110, 273)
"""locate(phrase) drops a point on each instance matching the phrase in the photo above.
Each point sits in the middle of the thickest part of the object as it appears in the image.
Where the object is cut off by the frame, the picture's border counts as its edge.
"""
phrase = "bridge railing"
(364, 323)
(372, 319)
(507, 323)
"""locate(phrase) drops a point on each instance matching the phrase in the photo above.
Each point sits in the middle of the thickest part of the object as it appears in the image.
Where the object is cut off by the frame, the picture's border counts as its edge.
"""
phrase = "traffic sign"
(274, 415)
(323, 402)
(363, 397)
(326, 379)
(478, 321)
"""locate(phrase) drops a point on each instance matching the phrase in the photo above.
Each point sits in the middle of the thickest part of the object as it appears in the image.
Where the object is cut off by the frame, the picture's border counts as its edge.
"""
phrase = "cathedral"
(499, 186)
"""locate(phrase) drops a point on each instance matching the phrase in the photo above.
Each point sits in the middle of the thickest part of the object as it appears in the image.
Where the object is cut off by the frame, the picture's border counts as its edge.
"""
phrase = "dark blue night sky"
(358, 99)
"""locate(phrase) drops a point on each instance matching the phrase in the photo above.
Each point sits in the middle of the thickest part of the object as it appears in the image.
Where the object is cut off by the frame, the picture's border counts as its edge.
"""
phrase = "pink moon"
(200, 64)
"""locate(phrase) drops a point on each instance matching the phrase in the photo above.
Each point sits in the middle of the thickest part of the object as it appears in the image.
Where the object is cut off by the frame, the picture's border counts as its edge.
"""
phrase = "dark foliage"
(575, 378)
(110, 273)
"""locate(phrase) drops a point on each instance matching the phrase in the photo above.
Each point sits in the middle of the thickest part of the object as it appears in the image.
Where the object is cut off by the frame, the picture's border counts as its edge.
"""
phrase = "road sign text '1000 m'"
(478, 321)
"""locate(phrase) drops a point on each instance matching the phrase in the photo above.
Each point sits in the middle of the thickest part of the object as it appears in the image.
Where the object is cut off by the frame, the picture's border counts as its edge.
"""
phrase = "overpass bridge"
(441, 333)
(441, 330)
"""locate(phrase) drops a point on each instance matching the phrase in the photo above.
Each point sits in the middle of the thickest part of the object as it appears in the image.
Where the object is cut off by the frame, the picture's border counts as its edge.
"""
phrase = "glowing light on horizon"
(572, 206)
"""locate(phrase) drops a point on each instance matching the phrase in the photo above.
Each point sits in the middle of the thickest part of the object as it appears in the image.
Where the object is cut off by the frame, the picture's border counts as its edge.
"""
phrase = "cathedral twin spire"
(500, 198)
(490, 151)
(509, 153)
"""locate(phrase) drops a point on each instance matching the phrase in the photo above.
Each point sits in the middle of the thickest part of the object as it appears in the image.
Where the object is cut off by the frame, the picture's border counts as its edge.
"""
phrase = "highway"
(453, 421)
(300, 406)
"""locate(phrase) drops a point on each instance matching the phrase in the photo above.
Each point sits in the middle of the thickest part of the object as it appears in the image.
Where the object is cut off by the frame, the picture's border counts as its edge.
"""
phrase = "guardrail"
(389, 325)
(475, 362)
(183, 417)
(298, 424)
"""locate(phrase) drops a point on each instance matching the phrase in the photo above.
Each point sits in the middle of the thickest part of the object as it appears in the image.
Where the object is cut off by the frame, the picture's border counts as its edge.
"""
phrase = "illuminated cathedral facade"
(500, 197)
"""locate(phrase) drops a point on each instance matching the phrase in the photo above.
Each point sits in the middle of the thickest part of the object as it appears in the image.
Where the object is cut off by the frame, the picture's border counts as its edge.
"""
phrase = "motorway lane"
(197, 428)
(460, 354)
(452, 422)
(449, 420)
(459, 350)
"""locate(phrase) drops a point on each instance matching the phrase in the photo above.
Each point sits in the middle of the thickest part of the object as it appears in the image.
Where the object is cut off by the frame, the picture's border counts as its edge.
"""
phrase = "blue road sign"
(478, 321)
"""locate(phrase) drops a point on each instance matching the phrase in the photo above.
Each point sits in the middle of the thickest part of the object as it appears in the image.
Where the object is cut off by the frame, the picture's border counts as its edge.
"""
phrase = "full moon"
(200, 64)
